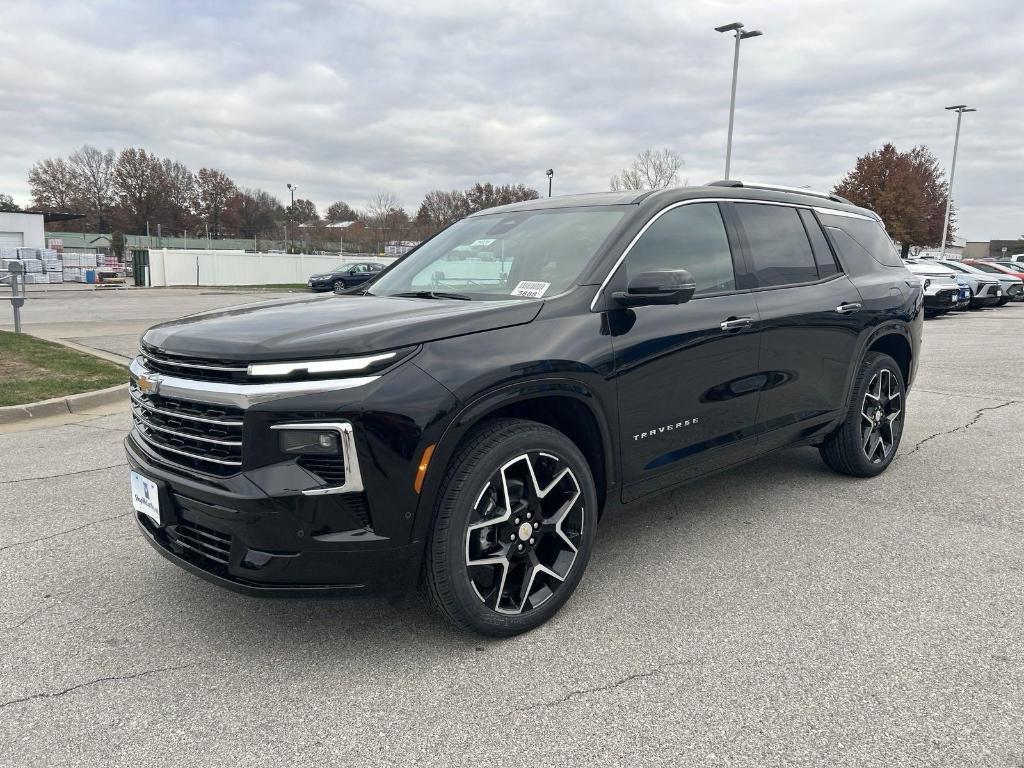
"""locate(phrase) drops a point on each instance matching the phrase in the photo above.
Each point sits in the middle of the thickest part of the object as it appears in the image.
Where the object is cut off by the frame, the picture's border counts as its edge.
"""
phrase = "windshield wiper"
(432, 295)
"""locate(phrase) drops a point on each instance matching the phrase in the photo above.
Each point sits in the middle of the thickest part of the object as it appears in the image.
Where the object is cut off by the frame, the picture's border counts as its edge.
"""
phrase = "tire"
(485, 597)
(338, 286)
(875, 416)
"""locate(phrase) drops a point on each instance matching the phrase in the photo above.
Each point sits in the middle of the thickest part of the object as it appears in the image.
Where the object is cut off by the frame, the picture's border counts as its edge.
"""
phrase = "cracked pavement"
(776, 615)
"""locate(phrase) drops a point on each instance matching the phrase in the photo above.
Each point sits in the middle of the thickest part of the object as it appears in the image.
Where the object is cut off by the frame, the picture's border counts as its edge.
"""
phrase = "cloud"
(347, 98)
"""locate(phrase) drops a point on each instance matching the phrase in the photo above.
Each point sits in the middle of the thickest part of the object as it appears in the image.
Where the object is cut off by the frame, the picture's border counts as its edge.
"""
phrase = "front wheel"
(339, 286)
(515, 525)
(865, 443)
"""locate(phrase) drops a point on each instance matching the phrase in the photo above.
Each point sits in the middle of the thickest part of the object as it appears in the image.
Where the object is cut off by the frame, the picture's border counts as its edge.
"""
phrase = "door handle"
(736, 323)
(848, 307)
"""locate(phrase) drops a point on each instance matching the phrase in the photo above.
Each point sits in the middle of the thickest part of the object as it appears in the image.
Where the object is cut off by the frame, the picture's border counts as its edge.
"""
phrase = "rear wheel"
(515, 525)
(866, 442)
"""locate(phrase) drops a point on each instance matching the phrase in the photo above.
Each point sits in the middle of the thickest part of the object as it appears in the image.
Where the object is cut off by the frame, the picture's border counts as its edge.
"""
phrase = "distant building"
(993, 249)
(399, 247)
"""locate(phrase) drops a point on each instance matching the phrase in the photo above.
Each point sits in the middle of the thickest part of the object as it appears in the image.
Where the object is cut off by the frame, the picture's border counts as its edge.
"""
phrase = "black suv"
(345, 276)
(462, 422)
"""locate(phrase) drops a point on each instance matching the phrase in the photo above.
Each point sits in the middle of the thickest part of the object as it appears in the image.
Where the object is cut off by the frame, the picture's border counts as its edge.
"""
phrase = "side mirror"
(670, 286)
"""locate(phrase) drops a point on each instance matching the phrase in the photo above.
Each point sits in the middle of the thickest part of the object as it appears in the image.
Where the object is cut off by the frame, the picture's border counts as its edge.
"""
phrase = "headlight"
(304, 369)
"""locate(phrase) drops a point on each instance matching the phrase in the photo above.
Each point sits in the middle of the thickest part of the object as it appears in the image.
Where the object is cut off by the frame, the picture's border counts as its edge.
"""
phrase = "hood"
(331, 326)
(930, 270)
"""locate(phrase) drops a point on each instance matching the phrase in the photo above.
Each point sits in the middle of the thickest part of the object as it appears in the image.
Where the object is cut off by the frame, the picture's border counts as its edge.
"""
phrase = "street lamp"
(736, 27)
(959, 109)
(551, 175)
(292, 188)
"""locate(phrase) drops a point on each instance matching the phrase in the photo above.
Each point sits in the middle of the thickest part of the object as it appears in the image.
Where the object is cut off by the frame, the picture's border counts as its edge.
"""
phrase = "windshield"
(988, 268)
(523, 254)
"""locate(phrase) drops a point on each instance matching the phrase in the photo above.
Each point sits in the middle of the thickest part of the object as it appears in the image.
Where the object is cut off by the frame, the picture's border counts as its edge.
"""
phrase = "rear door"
(811, 320)
(686, 375)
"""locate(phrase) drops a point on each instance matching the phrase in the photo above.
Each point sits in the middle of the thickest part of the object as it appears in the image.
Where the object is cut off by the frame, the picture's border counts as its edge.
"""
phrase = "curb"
(62, 406)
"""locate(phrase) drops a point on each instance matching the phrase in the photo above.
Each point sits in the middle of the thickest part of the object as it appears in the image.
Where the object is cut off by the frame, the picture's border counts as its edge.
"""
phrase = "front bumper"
(236, 535)
(945, 298)
(320, 285)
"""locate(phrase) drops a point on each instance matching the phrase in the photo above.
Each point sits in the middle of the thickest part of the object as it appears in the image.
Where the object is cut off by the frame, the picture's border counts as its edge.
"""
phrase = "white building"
(21, 230)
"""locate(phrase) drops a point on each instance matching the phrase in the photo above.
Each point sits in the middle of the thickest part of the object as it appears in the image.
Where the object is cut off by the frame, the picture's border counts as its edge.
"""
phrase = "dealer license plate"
(145, 497)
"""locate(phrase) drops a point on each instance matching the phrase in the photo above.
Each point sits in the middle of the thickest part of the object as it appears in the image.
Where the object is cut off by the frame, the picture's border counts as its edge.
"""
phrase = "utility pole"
(737, 28)
(551, 175)
(959, 109)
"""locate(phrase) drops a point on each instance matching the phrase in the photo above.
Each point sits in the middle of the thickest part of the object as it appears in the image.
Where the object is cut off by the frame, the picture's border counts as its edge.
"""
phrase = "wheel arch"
(897, 346)
(567, 405)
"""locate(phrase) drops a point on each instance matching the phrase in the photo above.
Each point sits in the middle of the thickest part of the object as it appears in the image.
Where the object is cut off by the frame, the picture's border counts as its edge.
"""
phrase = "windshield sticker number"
(530, 290)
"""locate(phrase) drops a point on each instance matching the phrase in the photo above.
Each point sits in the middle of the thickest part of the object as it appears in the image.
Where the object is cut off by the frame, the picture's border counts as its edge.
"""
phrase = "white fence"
(201, 267)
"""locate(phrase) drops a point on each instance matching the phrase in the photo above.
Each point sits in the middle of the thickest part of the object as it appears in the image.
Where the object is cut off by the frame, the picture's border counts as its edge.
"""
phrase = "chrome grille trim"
(241, 396)
(186, 435)
(141, 428)
(179, 415)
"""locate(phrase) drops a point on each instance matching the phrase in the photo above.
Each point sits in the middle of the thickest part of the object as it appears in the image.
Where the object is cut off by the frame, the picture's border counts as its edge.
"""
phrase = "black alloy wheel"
(867, 440)
(882, 416)
(515, 525)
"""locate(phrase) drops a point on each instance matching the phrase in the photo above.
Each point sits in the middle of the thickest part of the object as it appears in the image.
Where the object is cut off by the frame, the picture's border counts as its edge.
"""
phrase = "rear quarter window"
(869, 235)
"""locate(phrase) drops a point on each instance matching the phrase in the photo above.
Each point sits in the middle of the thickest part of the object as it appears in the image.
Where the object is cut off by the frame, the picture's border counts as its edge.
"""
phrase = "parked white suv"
(939, 283)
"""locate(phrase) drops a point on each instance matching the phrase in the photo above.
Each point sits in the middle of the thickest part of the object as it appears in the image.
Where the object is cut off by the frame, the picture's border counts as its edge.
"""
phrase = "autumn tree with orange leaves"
(907, 189)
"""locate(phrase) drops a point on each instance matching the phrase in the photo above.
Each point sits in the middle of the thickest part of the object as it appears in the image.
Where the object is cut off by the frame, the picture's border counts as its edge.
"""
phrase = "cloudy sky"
(347, 98)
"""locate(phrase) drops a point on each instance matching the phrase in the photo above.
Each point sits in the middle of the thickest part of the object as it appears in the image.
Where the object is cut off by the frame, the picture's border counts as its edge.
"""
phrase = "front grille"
(1013, 290)
(946, 295)
(197, 368)
(207, 542)
(330, 469)
(207, 438)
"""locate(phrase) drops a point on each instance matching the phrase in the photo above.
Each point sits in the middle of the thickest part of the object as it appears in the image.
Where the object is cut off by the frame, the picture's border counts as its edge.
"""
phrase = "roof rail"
(736, 183)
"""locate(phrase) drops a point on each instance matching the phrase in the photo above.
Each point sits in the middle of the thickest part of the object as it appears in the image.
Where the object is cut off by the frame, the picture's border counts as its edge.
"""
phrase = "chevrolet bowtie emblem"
(148, 384)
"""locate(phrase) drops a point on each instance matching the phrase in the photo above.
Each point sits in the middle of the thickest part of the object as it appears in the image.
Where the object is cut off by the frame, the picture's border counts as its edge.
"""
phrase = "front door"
(686, 375)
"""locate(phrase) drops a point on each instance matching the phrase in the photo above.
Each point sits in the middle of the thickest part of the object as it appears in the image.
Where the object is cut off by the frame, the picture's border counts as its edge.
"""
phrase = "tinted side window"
(822, 253)
(778, 243)
(849, 250)
(870, 236)
(690, 237)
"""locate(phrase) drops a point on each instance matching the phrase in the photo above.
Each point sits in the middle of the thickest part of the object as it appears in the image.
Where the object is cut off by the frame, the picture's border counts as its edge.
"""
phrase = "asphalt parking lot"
(776, 615)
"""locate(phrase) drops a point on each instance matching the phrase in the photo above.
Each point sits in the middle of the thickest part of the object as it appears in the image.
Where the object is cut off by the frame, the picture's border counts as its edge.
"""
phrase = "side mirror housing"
(669, 286)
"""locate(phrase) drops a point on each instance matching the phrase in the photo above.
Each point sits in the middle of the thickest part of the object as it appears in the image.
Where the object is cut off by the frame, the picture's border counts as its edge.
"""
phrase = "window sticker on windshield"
(530, 290)
(482, 241)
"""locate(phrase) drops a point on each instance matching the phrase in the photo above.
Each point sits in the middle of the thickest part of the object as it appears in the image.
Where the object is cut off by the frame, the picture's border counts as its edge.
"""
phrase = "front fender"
(478, 408)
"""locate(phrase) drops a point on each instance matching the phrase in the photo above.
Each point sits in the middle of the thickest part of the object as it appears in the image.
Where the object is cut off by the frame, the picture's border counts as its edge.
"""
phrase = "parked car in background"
(989, 290)
(345, 276)
(1016, 267)
(941, 291)
(1014, 292)
(963, 299)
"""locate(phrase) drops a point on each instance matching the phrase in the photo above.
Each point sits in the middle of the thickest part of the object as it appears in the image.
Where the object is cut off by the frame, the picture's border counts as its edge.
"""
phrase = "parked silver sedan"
(987, 290)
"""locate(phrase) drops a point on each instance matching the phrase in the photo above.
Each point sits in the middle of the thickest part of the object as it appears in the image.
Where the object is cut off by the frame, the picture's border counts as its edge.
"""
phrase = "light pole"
(551, 175)
(959, 109)
(737, 28)
(292, 188)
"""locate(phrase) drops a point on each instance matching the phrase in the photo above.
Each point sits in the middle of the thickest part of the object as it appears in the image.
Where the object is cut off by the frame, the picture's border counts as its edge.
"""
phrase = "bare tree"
(385, 215)
(54, 185)
(215, 189)
(652, 169)
(138, 183)
(94, 175)
(180, 195)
